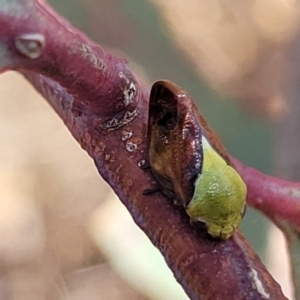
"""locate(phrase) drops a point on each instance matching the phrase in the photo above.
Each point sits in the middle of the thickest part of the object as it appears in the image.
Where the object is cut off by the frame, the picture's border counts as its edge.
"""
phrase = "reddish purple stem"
(278, 199)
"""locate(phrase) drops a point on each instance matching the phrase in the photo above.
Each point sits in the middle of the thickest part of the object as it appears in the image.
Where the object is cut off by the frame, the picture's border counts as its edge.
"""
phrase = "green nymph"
(219, 196)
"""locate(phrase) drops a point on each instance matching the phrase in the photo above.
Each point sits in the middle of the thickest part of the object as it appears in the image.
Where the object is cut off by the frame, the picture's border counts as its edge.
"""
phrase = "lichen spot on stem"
(126, 135)
(131, 147)
(114, 123)
(129, 90)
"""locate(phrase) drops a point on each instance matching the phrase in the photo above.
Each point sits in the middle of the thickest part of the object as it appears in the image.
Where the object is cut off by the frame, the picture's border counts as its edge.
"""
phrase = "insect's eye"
(168, 121)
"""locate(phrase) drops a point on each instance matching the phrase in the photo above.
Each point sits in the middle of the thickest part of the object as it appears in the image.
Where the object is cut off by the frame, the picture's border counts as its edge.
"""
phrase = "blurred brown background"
(63, 233)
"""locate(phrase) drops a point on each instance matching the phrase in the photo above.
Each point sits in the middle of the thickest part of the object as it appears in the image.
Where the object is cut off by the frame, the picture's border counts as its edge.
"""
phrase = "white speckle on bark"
(129, 93)
(258, 284)
(129, 90)
(30, 44)
(141, 163)
(131, 147)
(114, 123)
(126, 135)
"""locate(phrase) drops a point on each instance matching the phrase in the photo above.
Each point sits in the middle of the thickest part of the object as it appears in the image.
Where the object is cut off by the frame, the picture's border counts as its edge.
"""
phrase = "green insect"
(187, 167)
(219, 195)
